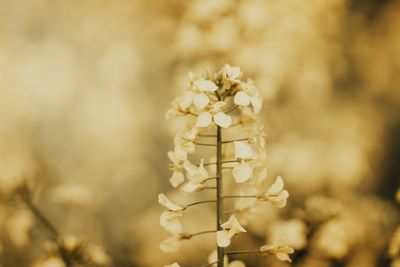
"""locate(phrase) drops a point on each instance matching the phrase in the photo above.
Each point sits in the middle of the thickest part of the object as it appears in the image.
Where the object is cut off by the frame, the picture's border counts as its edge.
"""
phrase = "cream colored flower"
(183, 144)
(242, 172)
(71, 195)
(280, 251)
(178, 175)
(247, 95)
(196, 95)
(172, 265)
(276, 194)
(242, 150)
(196, 176)
(229, 229)
(213, 258)
(175, 109)
(171, 244)
(214, 114)
(169, 219)
(49, 262)
(230, 76)
(292, 232)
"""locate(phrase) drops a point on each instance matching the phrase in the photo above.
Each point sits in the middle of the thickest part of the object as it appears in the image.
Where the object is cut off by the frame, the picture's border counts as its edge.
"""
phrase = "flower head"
(229, 229)
(196, 176)
(276, 194)
(214, 114)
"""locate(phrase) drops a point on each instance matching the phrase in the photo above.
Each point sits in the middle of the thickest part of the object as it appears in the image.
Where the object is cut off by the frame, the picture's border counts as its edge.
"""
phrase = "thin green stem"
(204, 144)
(210, 264)
(207, 135)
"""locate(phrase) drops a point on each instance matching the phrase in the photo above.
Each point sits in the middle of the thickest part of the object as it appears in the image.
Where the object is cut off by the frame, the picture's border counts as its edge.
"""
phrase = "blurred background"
(84, 86)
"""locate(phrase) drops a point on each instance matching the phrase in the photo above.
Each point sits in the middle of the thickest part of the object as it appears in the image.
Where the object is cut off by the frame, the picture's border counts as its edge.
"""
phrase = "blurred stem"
(210, 264)
(231, 141)
(26, 198)
(242, 252)
(220, 199)
(201, 233)
(240, 196)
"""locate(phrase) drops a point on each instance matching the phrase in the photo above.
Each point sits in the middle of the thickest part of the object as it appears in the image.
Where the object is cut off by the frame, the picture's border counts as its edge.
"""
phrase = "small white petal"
(190, 187)
(205, 85)
(169, 220)
(223, 120)
(242, 172)
(172, 265)
(204, 119)
(163, 200)
(218, 105)
(201, 101)
(186, 100)
(242, 99)
(177, 178)
(170, 245)
(276, 187)
(242, 150)
(223, 238)
(256, 103)
(237, 264)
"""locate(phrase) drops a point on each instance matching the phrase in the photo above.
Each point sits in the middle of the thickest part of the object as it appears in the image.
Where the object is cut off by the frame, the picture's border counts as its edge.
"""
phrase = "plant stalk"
(220, 199)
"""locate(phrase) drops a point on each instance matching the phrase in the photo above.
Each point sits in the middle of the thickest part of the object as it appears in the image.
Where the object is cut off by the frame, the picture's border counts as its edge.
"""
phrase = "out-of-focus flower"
(275, 194)
(292, 232)
(171, 244)
(71, 195)
(183, 145)
(394, 245)
(242, 150)
(175, 264)
(229, 229)
(195, 175)
(197, 95)
(49, 262)
(280, 251)
(18, 226)
(242, 172)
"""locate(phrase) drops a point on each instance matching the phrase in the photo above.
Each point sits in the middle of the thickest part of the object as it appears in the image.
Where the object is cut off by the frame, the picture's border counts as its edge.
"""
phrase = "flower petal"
(242, 172)
(223, 120)
(205, 85)
(200, 101)
(242, 150)
(170, 221)
(242, 99)
(256, 102)
(190, 187)
(223, 238)
(177, 178)
(276, 187)
(170, 245)
(186, 100)
(204, 119)
(163, 200)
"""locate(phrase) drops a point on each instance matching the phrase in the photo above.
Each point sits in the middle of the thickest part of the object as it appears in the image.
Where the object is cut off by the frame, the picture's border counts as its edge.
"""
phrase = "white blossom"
(276, 194)
(196, 176)
(216, 115)
(247, 95)
(280, 251)
(229, 229)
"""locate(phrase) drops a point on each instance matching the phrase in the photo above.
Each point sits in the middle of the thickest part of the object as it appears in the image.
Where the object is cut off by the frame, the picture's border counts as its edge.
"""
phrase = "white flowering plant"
(219, 111)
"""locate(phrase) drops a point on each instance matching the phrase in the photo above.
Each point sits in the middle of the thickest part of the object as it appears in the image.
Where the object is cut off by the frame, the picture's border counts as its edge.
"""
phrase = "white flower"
(229, 229)
(174, 110)
(178, 176)
(183, 144)
(214, 114)
(230, 75)
(169, 220)
(196, 94)
(163, 200)
(242, 172)
(276, 194)
(171, 244)
(196, 176)
(213, 258)
(242, 150)
(280, 251)
(172, 265)
(247, 95)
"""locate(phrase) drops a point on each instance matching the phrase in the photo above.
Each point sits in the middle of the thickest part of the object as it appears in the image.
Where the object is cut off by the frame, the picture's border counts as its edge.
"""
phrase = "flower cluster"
(216, 105)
